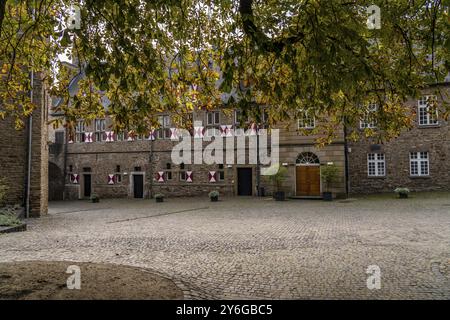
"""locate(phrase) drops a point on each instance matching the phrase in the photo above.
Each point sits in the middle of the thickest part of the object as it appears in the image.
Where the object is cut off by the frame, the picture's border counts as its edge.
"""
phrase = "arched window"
(307, 158)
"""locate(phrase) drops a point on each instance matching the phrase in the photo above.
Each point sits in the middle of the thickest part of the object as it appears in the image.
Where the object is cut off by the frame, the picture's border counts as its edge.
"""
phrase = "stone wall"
(102, 159)
(433, 139)
(13, 156)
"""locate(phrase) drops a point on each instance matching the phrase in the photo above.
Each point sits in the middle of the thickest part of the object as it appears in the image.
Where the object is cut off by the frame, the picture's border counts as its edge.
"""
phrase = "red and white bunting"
(189, 176)
(174, 134)
(160, 176)
(212, 176)
(88, 137)
(199, 132)
(109, 136)
(152, 135)
(74, 178)
(111, 179)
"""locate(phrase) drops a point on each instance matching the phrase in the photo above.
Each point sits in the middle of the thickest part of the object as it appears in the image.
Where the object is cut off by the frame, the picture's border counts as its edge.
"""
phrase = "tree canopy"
(293, 56)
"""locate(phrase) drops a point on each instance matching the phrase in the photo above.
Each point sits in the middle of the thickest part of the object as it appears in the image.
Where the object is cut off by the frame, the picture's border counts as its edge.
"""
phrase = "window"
(307, 158)
(183, 175)
(168, 171)
(164, 127)
(306, 121)
(118, 175)
(137, 169)
(70, 168)
(79, 130)
(120, 136)
(212, 123)
(428, 113)
(213, 118)
(187, 121)
(59, 137)
(376, 165)
(100, 125)
(369, 122)
(264, 119)
(221, 173)
(419, 164)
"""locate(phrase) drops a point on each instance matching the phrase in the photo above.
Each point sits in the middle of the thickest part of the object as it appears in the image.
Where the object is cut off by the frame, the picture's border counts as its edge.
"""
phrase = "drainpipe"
(65, 141)
(347, 189)
(151, 169)
(258, 177)
(30, 139)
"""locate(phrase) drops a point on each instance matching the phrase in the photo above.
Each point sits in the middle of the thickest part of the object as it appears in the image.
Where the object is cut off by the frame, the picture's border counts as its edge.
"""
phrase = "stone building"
(120, 165)
(15, 169)
(95, 160)
(418, 159)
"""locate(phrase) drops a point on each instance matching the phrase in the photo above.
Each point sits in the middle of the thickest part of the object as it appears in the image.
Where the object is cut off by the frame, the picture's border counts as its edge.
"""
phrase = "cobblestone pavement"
(257, 248)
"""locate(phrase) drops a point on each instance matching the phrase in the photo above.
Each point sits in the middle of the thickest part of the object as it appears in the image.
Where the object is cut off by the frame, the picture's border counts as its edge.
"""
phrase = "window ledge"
(376, 177)
(420, 177)
(428, 126)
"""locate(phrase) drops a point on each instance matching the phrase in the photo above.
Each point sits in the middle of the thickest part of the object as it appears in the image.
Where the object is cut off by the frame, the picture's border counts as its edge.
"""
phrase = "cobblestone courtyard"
(256, 248)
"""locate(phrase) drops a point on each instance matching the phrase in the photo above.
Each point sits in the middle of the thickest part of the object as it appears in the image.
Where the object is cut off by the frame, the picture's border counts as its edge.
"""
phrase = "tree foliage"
(293, 56)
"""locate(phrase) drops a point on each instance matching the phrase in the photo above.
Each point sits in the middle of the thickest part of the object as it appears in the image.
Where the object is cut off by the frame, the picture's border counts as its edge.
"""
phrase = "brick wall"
(432, 139)
(13, 156)
(102, 158)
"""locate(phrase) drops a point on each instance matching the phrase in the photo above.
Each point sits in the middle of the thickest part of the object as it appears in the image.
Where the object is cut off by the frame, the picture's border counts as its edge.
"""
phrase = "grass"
(8, 219)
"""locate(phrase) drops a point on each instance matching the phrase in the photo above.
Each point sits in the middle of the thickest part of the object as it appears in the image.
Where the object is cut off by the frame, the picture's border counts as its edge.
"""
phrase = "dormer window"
(306, 121)
(427, 111)
(369, 121)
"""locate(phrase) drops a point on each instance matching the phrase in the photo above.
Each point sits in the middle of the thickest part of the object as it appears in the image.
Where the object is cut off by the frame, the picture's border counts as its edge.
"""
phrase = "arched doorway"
(307, 175)
(55, 182)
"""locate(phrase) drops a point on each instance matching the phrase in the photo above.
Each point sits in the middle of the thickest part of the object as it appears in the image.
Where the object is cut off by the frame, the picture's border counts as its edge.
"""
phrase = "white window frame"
(120, 136)
(374, 160)
(366, 122)
(215, 118)
(419, 164)
(306, 121)
(80, 130)
(163, 131)
(212, 128)
(100, 128)
(424, 116)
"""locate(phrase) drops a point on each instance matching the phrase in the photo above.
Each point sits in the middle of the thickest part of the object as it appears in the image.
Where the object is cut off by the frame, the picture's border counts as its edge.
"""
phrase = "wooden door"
(308, 181)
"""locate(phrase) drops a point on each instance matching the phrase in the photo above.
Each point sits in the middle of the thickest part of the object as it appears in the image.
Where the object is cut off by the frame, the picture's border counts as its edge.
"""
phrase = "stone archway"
(55, 182)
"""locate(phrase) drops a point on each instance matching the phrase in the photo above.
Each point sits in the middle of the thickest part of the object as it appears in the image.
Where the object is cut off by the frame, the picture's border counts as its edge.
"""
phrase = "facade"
(121, 165)
(95, 160)
(418, 159)
(14, 151)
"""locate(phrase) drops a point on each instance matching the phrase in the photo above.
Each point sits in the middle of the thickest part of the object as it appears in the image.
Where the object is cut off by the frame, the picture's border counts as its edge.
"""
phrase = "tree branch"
(257, 36)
